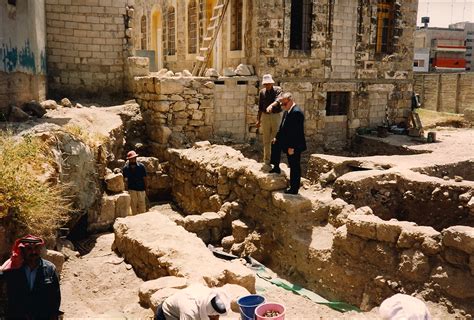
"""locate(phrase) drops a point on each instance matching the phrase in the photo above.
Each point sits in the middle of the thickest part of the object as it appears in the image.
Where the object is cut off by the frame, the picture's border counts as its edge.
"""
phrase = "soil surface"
(101, 285)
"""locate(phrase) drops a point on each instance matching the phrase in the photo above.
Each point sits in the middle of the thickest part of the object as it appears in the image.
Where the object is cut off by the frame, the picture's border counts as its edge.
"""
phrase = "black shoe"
(275, 170)
(291, 191)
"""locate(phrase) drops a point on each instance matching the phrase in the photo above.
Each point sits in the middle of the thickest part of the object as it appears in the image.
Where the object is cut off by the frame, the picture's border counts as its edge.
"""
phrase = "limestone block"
(56, 258)
(148, 288)
(159, 106)
(426, 238)
(179, 106)
(162, 134)
(197, 115)
(459, 237)
(363, 226)
(292, 204)
(122, 205)
(456, 257)
(169, 86)
(114, 182)
(162, 72)
(157, 247)
(212, 219)
(50, 105)
(414, 265)
(169, 74)
(364, 211)
(454, 281)
(107, 209)
(235, 292)
(195, 223)
(151, 164)
(210, 85)
(228, 72)
(388, 231)
(244, 70)
(211, 73)
(227, 243)
(353, 245)
(271, 182)
(240, 230)
(237, 248)
(469, 114)
(470, 205)
(66, 103)
(187, 73)
(160, 296)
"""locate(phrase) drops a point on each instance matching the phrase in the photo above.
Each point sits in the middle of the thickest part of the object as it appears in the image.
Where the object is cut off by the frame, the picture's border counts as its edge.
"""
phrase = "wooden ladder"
(210, 38)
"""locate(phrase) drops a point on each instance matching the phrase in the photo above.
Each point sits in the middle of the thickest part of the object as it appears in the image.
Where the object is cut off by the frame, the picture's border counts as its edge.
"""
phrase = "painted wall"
(22, 52)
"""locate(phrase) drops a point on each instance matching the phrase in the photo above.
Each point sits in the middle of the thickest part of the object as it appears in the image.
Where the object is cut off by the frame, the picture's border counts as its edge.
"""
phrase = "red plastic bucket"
(270, 306)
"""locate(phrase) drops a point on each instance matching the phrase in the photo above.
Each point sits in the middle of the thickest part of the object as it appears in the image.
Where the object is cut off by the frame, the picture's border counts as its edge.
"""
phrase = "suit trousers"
(270, 124)
(294, 161)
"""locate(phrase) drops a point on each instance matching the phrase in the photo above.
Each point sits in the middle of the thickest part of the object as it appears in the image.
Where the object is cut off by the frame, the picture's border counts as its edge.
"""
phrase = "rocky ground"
(101, 285)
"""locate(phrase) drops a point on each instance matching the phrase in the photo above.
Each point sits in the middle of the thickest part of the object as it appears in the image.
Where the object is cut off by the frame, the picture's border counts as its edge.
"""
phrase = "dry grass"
(34, 206)
(431, 119)
(92, 139)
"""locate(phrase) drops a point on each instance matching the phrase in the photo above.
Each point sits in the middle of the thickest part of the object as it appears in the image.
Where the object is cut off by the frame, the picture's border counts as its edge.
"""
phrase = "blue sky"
(444, 12)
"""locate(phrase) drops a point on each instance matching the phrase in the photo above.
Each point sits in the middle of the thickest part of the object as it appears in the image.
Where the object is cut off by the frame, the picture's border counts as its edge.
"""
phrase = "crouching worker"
(32, 282)
(193, 303)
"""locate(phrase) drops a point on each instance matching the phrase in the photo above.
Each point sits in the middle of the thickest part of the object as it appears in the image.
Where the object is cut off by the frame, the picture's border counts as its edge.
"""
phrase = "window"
(300, 25)
(236, 25)
(192, 26)
(385, 25)
(419, 63)
(337, 103)
(171, 31)
(143, 30)
(202, 17)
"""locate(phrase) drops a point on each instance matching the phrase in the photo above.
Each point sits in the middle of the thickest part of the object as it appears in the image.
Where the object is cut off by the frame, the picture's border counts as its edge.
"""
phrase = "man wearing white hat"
(404, 307)
(268, 114)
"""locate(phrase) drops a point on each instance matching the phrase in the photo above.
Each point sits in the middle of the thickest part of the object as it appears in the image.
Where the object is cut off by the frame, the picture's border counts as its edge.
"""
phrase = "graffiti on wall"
(12, 59)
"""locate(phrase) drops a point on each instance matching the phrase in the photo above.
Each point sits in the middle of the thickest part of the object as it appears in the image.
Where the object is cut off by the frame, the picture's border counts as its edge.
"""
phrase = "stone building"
(349, 63)
(22, 52)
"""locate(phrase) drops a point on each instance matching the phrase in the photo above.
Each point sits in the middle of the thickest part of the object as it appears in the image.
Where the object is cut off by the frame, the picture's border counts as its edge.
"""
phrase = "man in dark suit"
(290, 139)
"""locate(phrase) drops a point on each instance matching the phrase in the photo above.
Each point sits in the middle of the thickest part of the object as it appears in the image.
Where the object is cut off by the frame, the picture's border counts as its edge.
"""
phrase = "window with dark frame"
(143, 31)
(385, 26)
(202, 20)
(337, 103)
(236, 25)
(171, 32)
(301, 24)
(192, 27)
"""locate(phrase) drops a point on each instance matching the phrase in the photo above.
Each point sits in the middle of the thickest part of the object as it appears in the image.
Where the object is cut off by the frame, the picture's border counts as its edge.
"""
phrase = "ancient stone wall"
(324, 244)
(445, 92)
(181, 110)
(85, 46)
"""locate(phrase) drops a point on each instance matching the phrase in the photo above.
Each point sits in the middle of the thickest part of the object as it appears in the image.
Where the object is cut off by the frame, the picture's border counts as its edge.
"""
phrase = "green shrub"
(34, 206)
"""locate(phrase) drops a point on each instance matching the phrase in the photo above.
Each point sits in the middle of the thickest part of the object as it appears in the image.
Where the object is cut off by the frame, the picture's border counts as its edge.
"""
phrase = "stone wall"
(85, 47)
(22, 53)
(446, 92)
(323, 244)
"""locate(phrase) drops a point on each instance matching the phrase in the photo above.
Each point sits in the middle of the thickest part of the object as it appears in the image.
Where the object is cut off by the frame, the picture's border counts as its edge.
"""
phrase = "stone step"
(158, 247)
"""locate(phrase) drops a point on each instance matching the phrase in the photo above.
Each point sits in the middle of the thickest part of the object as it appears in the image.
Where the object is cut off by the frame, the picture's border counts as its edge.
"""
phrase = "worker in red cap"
(135, 174)
(32, 282)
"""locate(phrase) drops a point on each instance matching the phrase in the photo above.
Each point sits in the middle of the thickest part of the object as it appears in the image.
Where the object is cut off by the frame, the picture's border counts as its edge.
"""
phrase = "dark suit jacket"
(40, 303)
(291, 132)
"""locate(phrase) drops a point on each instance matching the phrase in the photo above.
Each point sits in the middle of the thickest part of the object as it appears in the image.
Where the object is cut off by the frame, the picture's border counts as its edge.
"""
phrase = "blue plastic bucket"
(248, 304)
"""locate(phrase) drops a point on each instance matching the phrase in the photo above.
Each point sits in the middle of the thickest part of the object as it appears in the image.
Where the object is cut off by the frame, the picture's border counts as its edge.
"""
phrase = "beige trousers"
(137, 201)
(270, 125)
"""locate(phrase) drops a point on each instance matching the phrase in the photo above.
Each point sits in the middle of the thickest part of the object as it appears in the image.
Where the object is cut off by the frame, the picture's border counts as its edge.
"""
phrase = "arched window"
(236, 20)
(385, 24)
(301, 24)
(192, 26)
(171, 19)
(143, 30)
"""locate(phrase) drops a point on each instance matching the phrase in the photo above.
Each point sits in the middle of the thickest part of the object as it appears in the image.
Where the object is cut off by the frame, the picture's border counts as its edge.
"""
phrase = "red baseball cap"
(131, 155)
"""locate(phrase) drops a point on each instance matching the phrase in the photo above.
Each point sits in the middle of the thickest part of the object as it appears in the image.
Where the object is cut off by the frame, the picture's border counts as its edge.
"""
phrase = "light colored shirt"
(30, 276)
(186, 304)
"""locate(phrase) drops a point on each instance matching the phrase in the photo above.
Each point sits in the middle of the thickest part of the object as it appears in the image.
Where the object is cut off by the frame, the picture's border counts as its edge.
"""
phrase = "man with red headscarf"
(32, 282)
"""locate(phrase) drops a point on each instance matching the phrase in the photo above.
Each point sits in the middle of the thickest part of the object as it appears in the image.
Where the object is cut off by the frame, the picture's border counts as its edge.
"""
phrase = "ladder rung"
(214, 18)
(204, 49)
(200, 58)
(207, 39)
(212, 27)
(219, 6)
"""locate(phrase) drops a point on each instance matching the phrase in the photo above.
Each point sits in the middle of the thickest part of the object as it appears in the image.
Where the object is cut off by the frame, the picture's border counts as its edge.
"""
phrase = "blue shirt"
(30, 276)
(135, 176)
